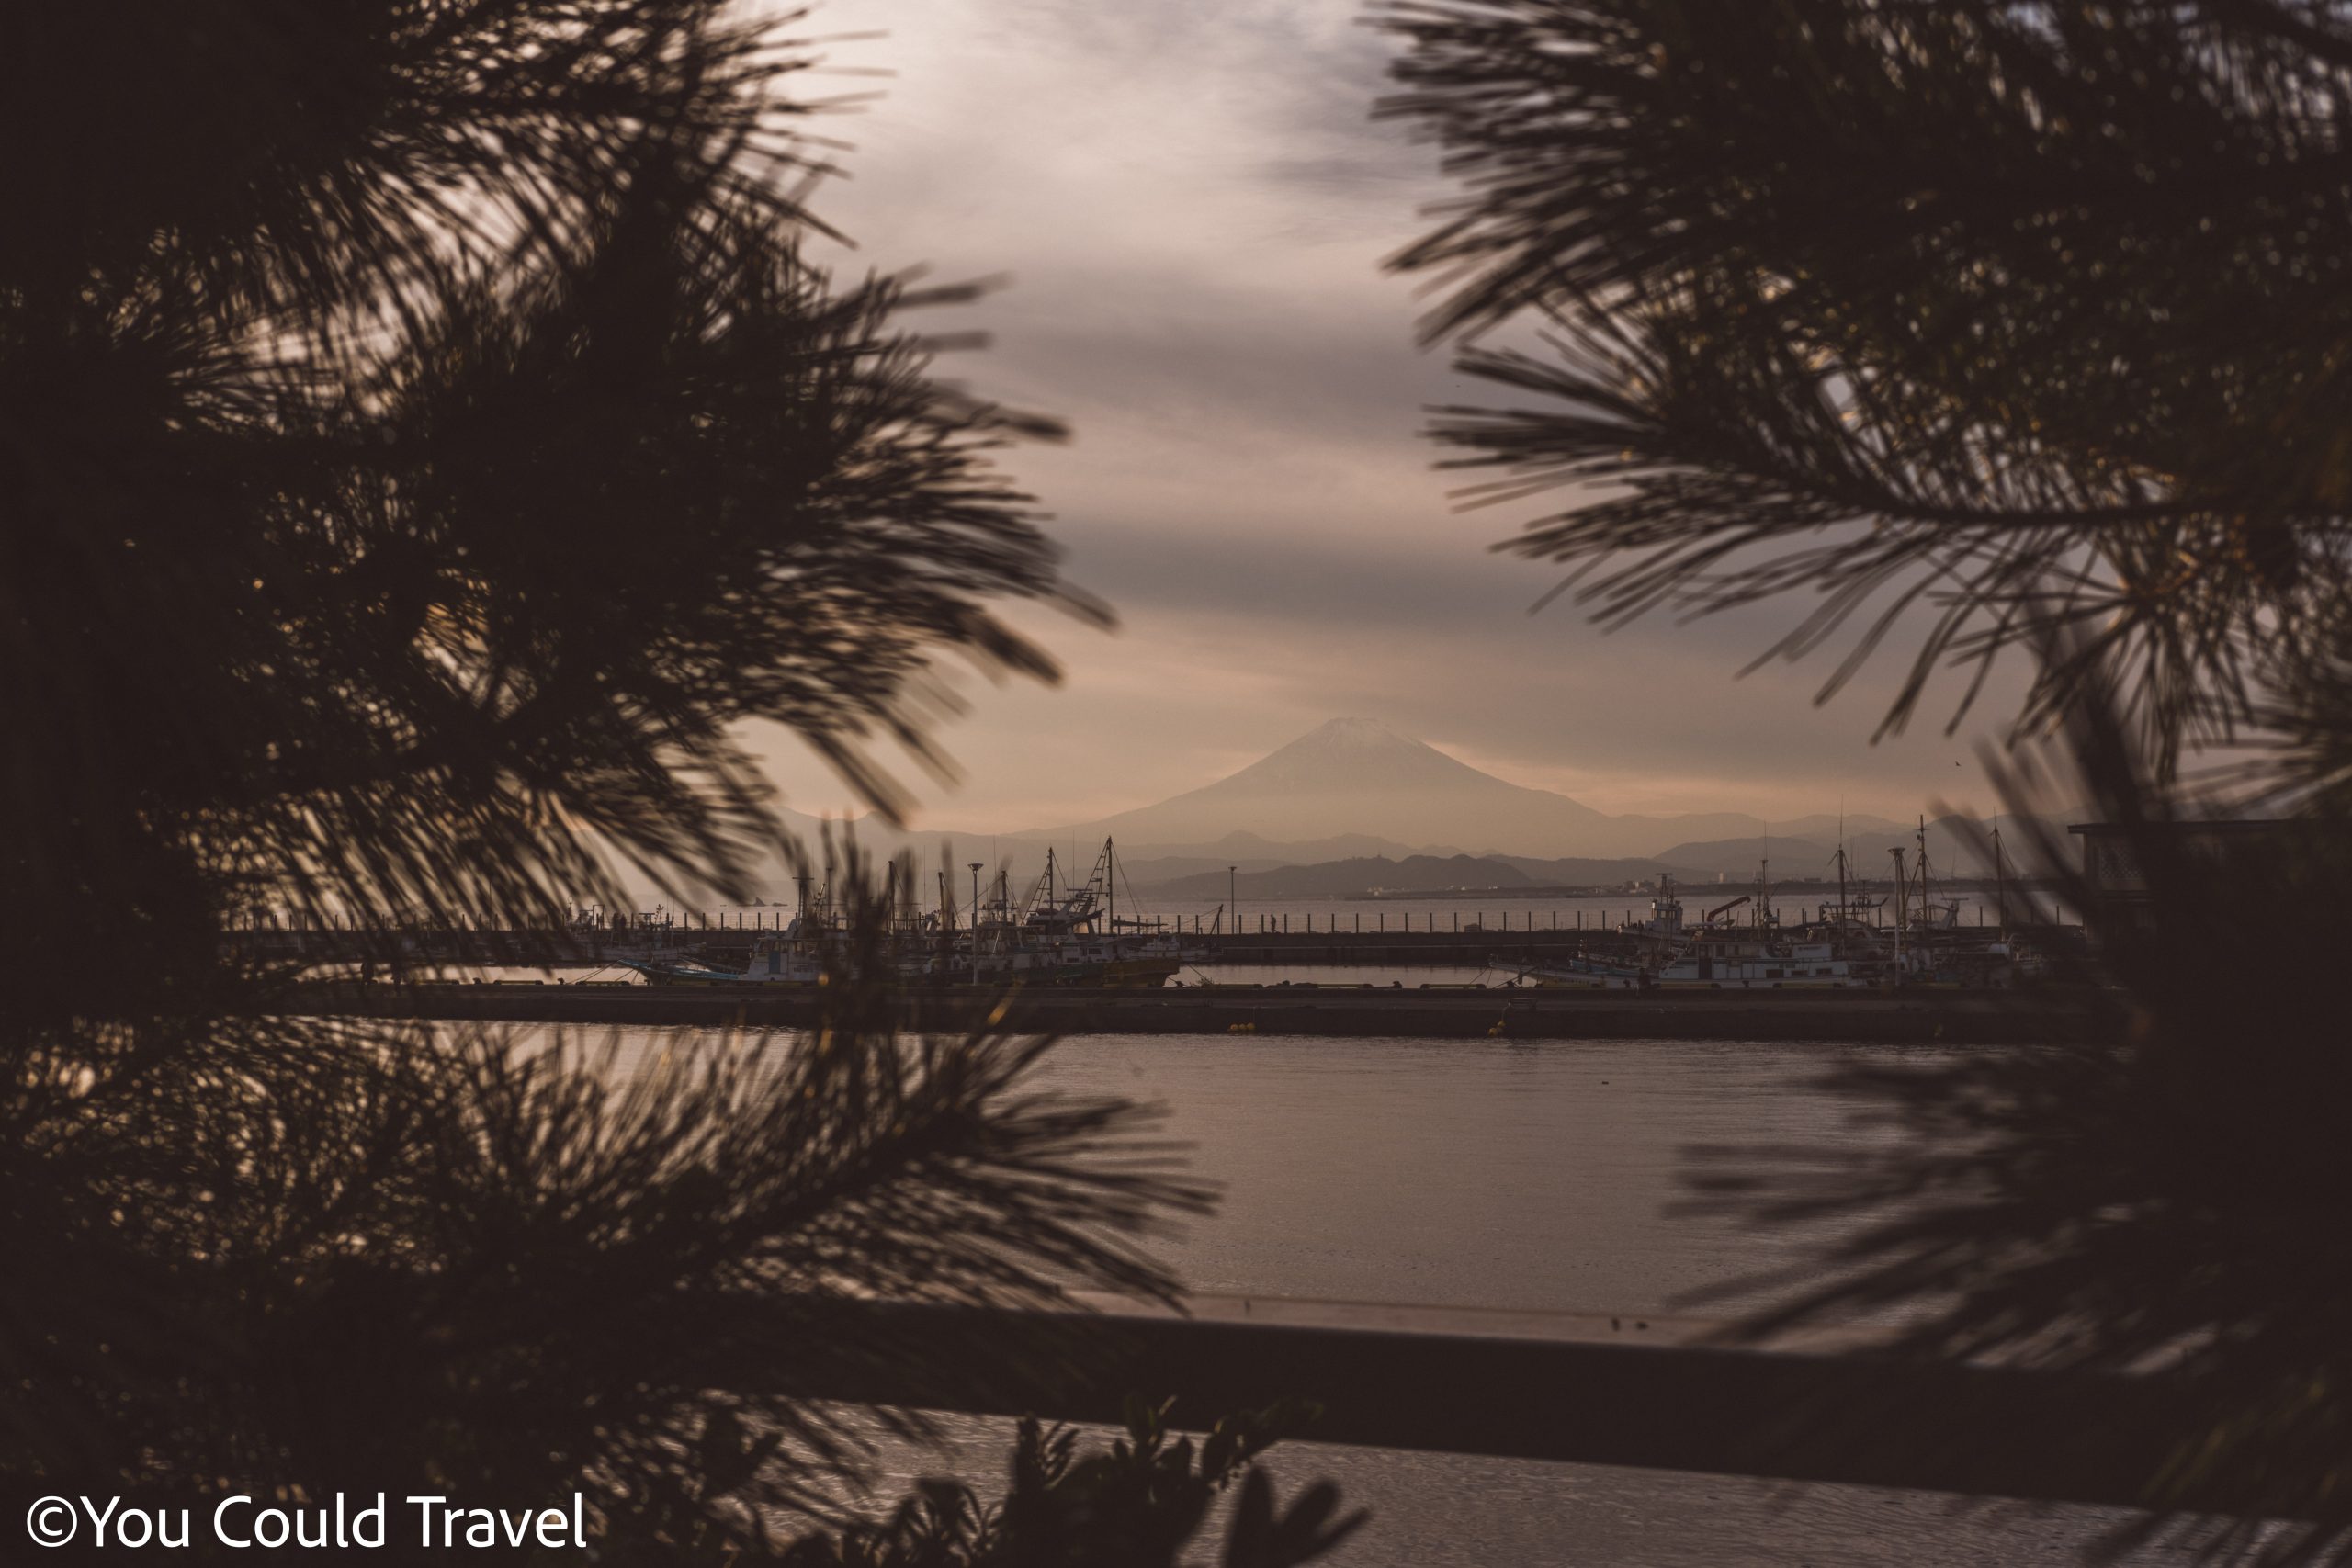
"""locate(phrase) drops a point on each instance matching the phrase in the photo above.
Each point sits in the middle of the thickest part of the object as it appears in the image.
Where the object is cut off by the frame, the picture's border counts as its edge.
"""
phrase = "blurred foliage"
(325, 1256)
(2012, 324)
(2022, 325)
(1137, 1504)
(426, 442)
(2176, 1201)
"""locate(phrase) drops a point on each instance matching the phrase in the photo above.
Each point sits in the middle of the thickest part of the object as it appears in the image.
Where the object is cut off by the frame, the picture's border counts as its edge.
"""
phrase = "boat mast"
(1923, 868)
(1902, 894)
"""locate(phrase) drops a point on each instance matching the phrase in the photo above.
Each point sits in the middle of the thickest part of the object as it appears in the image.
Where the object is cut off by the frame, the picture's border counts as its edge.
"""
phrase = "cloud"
(1192, 204)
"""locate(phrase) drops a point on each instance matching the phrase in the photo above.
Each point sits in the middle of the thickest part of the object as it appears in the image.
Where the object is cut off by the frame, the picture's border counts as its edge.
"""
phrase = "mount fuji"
(1357, 776)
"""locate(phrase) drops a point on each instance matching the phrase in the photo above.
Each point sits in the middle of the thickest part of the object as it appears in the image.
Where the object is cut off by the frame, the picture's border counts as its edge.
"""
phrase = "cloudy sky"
(1189, 206)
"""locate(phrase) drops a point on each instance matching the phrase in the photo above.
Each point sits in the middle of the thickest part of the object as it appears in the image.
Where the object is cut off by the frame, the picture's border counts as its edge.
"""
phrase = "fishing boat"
(1756, 959)
(1058, 934)
(1665, 922)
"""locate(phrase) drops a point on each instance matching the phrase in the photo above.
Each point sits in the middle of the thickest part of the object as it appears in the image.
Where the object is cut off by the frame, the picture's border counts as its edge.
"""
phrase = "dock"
(1924, 1018)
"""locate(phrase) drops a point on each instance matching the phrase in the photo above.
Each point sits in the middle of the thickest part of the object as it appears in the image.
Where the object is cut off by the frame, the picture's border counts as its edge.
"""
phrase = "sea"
(1529, 1175)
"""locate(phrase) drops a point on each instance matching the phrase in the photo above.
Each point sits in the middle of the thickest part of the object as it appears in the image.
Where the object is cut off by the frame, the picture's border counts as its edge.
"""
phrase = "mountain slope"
(1352, 878)
(1356, 789)
(1356, 775)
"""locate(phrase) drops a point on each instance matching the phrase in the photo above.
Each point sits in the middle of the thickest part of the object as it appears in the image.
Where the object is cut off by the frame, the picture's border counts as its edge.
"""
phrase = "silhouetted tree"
(424, 441)
(2172, 1202)
(2025, 322)
(2021, 318)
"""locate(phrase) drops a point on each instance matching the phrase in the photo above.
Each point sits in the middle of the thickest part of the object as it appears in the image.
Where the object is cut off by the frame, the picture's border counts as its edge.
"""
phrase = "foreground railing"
(1827, 1406)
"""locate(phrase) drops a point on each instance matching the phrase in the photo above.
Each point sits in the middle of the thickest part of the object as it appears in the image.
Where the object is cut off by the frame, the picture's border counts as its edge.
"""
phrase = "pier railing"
(1824, 1407)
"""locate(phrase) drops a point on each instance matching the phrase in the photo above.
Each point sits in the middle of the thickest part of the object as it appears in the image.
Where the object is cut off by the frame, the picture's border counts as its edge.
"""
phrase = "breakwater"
(1862, 1017)
(1469, 947)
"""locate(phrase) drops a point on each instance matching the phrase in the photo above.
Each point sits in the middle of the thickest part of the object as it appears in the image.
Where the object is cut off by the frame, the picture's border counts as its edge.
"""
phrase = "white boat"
(1574, 972)
(780, 963)
(1756, 960)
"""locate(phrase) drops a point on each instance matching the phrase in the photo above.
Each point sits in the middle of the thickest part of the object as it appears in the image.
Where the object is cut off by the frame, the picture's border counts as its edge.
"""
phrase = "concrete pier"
(1925, 1018)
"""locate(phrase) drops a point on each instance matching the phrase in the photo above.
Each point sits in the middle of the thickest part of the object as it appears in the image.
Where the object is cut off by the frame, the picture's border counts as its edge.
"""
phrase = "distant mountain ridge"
(1413, 874)
(1354, 789)
(1953, 849)
(1952, 852)
(1356, 777)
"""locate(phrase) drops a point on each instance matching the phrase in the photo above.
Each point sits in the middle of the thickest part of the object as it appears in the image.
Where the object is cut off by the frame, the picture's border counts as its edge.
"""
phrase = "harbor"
(1894, 969)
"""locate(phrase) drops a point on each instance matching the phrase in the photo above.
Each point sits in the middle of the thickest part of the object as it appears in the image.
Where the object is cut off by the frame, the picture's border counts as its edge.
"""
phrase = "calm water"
(1534, 1175)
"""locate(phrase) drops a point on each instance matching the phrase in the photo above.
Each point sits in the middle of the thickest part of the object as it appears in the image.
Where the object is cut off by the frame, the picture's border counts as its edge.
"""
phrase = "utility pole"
(1232, 895)
(2000, 884)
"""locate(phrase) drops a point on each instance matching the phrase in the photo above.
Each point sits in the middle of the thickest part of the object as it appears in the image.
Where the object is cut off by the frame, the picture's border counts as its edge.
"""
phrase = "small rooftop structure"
(2111, 864)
